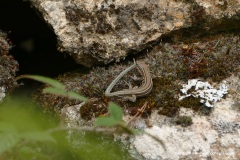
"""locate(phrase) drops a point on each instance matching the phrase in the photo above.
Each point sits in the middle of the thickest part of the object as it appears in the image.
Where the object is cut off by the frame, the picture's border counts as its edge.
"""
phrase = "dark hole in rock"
(34, 43)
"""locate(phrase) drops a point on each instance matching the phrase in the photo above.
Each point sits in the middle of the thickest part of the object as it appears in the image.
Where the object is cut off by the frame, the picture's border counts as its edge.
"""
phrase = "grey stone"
(97, 32)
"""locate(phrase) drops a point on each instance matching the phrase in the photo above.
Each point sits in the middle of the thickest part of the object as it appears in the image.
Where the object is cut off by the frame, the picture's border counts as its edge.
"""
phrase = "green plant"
(115, 120)
(23, 138)
(25, 133)
(57, 88)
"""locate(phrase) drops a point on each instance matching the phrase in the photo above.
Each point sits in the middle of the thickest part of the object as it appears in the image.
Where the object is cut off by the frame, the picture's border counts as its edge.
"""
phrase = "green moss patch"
(184, 121)
(211, 58)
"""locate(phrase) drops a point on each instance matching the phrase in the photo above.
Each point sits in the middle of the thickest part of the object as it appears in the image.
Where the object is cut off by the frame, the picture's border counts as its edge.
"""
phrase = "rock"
(214, 132)
(205, 58)
(8, 67)
(214, 136)
(206, 138)
(97, 32)
(201, 140)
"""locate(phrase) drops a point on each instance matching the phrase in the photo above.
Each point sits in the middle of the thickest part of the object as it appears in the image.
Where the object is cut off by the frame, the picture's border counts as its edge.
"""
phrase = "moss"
(165, 92)
(221, 56)
(211, 58)
(8, 66)
(93, 108)
(184, 121)
(193, 62)
(134, 107)
(162, 97)
(205, 111)
(222, 65)
(191, 102)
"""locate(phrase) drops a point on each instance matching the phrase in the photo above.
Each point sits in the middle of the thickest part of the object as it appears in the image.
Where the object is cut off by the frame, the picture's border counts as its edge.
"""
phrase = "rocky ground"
(188, 128)
(179, 40)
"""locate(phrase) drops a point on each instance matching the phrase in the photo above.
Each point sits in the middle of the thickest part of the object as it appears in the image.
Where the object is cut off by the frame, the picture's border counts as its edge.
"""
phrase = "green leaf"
(115, 111)
(74, 95)
(27, 149)
(27, 152)
(60, 92)
(38, 136)
(106, 121)
(115, 117)
(7, 127)
(7, 141)
(43, 79)
(55, 91)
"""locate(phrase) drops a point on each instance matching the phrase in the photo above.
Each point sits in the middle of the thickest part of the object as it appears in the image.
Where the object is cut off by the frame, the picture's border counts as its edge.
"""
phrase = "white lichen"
(203, 90)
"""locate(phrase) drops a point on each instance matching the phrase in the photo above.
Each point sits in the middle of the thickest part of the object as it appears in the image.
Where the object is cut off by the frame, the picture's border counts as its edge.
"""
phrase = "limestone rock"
(202, 140)
(97, 32)
(209, 137)
(214, 134)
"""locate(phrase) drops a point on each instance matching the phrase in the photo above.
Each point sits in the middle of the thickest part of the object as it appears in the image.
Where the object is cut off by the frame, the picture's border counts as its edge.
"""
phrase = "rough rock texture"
(214, 133)
(212, 59)
(96, 32)
(8, 67)
(216, 136)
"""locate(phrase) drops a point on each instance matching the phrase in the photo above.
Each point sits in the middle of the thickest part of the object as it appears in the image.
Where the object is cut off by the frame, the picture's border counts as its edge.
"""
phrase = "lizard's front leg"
(130, 98)
(130, 86)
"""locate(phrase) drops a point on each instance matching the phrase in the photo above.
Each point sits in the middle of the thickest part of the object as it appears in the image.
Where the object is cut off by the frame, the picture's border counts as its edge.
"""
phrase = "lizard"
(132, 93)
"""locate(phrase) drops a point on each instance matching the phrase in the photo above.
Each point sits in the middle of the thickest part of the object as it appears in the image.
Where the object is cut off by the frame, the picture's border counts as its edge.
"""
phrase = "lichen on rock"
(203, 90)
